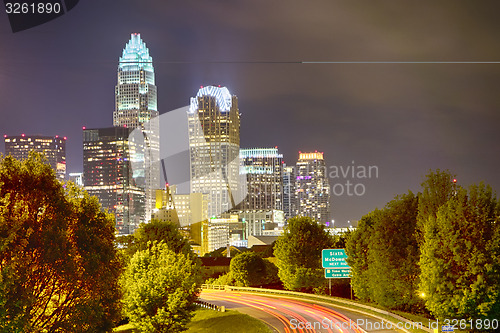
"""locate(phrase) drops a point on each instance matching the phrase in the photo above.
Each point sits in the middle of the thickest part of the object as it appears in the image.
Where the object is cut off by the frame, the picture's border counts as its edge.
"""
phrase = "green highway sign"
(334, 258)
(337, 273)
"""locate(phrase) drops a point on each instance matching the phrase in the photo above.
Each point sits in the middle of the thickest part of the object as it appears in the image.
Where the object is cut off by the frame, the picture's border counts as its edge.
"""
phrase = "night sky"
(403, 118)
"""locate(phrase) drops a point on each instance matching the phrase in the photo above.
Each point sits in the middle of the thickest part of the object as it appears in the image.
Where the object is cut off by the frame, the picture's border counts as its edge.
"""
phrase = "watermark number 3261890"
(32, 8)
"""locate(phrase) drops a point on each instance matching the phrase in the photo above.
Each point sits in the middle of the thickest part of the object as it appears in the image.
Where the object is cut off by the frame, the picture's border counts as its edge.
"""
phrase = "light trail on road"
(285, 315)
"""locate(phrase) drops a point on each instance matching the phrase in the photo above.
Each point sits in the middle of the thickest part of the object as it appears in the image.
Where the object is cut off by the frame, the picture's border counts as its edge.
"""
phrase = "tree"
(271, 276)
(248, 269)
(437, 189)
(357, 249)
(58, 265)
(160, 288)
(298, 253)
(340, 240)
(460, 257)
(164, 231)
(383, 254)
(223, 280)
(393, 255)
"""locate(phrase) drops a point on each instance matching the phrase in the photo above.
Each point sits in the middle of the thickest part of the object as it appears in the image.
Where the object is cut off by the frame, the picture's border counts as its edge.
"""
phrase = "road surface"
(290, 315)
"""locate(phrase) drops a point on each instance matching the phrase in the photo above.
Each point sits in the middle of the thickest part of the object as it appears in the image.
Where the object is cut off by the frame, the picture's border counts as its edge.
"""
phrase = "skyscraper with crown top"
(121, 163)
(214, 145)
(136, 107)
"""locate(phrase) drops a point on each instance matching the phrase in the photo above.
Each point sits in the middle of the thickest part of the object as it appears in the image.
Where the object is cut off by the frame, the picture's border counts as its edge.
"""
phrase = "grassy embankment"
(210, 321)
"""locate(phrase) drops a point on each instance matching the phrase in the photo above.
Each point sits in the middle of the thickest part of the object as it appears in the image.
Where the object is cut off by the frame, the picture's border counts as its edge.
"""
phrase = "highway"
(290, 315)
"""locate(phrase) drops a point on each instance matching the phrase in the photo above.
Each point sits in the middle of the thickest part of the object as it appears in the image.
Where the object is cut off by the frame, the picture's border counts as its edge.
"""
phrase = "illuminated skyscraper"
(53, 147)
(214, 145)
(135, 92)
(263, 168)
(289, 192)
(136, 107)
(121, 163)
(108, 174)
(313, 188)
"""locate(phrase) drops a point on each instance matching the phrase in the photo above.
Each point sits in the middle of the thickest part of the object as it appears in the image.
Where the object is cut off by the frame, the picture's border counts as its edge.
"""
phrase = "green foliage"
(445, 248)
(460, 258)
(357, 248)
(223, 280)
(394, 254)
(161, 231)
(340, 240)
(249, 269)
(271, 276)
(156, 298)
(160, 288)
(298, 253)
(383, 254)
(58, 265)
(437, 189)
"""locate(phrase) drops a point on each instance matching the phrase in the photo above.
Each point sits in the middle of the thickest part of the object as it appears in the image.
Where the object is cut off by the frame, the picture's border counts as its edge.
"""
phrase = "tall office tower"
(289, 192)
(54, 148)
(264, 171)
(214, 146)
(108, 174)
(313, 188)
(136, 107)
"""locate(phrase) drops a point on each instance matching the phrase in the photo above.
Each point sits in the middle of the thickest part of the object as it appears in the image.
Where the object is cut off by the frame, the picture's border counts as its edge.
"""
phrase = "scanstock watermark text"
(341, 325)
(447, 325)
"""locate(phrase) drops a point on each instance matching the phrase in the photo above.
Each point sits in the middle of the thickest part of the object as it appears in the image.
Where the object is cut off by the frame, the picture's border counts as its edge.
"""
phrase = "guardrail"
(348, 304)
(213, 286)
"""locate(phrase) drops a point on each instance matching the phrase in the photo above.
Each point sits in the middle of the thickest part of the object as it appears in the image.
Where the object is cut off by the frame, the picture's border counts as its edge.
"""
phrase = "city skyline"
(404, 119)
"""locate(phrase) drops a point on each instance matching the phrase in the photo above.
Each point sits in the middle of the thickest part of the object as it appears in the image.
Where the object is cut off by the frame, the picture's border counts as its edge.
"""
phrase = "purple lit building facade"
(312, 186)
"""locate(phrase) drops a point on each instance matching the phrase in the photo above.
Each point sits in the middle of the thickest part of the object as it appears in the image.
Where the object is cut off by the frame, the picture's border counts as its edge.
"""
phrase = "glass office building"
(312, 186)
(53, 147)
(136, 107)
(214, 145)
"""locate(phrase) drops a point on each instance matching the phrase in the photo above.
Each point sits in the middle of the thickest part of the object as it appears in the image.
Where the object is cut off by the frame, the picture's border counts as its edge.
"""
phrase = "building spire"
(135, 55)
